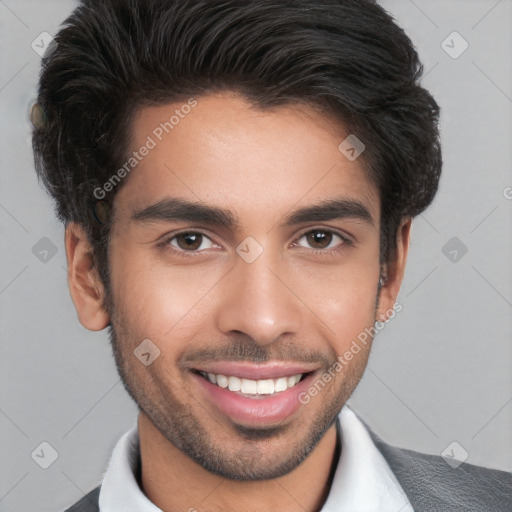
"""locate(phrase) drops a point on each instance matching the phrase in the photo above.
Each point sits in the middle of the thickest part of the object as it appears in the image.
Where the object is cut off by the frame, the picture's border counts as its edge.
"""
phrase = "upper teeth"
(253, 387)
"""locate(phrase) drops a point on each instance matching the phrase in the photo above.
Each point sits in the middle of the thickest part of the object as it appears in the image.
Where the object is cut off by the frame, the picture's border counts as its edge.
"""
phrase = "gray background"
(439, 372)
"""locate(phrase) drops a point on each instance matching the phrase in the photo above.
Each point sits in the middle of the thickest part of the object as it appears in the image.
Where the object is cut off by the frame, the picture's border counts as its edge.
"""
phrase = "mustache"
(243, 348)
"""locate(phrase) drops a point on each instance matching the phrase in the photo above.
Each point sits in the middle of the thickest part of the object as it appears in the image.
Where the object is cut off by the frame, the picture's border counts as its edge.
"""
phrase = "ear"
(87, 290)
(393, 271)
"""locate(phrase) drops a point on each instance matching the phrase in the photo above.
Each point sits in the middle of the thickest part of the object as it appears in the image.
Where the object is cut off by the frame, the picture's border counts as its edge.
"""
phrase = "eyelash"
(165, 243)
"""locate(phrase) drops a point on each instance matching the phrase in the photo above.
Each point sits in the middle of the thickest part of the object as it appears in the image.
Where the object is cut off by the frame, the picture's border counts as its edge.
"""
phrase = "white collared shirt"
(363, 481)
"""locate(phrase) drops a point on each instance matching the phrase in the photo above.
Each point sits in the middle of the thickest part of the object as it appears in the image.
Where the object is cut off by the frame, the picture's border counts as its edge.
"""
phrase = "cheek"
(349, 318)
(157, 301)
(343, 298)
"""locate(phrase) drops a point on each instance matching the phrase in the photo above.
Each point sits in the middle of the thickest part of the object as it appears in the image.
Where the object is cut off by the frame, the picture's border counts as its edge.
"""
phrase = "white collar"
(363, 480)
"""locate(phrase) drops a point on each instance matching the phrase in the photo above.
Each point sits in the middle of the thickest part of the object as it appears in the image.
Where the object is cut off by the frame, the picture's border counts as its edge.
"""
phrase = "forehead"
(220, 150)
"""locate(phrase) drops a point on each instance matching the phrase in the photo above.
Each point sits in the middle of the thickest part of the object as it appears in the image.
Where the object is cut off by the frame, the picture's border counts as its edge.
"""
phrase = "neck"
(174, 482)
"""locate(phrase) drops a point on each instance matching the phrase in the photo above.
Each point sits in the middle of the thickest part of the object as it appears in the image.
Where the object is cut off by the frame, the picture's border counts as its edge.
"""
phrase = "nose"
(259, 299)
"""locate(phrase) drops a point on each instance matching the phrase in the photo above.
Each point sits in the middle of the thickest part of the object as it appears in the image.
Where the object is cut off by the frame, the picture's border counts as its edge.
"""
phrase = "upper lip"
(248, 370)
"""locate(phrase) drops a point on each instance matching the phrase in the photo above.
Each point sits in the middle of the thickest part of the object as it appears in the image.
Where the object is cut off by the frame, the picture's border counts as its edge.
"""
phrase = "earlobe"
(393, 271)
(85, 286)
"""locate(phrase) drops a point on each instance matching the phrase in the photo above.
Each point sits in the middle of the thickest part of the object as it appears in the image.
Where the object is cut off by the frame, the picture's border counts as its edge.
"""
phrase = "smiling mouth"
(253, 387)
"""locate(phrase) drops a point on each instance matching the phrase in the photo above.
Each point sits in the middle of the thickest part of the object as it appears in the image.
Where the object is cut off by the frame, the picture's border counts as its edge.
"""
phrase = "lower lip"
(261, 410)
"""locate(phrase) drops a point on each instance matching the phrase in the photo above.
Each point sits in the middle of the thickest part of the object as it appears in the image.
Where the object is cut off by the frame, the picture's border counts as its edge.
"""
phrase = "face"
(225, 256)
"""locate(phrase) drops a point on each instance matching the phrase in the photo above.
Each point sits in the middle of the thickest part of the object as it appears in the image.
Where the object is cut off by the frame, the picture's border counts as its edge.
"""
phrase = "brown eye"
(190, 241)
(321, 239)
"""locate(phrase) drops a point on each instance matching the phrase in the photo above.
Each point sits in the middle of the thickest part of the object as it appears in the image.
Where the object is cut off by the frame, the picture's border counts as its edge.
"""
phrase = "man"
(237, 182)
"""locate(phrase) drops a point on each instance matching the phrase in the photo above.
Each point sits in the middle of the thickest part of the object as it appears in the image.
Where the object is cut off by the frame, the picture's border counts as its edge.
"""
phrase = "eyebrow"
(177, 209)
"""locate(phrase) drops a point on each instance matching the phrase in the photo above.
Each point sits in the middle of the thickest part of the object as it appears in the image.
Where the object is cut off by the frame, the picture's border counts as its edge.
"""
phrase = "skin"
(290, 304)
